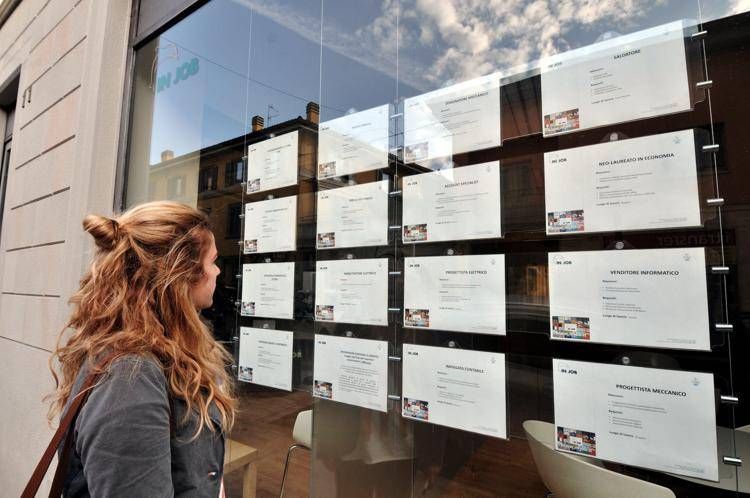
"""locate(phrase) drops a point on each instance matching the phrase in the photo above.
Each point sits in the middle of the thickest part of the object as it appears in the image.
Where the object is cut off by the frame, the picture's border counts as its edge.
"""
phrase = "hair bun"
(104, 230)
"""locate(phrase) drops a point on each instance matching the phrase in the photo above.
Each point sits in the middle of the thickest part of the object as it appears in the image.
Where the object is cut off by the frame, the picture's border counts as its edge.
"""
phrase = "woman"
(154, 423)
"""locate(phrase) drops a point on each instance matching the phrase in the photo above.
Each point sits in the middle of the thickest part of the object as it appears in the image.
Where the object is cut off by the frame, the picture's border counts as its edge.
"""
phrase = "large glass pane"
(468, 248)
(523, 86)
(232, 89)
(275, 347)
(361, 445)
(187, 129)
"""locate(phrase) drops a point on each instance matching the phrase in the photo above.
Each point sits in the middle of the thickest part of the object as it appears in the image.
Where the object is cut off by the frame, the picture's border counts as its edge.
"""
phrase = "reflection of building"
(211, 179)
(175, 179)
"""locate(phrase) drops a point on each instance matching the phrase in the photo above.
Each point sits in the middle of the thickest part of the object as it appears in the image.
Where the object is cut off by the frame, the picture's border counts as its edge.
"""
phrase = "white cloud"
(738, 6)
(455, 40)
(475, 37)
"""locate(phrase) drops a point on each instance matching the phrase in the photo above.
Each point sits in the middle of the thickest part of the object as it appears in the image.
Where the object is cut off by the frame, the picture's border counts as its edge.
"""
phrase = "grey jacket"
(124, 445)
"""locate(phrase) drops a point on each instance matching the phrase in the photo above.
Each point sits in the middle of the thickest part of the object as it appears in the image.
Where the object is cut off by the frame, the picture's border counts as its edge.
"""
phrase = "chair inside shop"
(572, 476)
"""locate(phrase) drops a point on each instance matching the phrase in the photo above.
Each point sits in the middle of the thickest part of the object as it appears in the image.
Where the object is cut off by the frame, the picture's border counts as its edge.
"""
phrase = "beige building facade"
(68, 59)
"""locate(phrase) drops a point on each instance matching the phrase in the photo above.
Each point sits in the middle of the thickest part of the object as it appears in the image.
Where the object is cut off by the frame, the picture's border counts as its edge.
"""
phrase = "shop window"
(564, 223)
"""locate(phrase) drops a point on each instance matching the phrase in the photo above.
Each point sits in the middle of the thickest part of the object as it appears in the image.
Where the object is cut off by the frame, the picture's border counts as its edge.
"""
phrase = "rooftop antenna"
(269, 115)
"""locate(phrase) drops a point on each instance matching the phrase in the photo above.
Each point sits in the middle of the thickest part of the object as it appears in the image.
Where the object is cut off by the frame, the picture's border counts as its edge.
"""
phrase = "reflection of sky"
(439, 42)
(208, 107)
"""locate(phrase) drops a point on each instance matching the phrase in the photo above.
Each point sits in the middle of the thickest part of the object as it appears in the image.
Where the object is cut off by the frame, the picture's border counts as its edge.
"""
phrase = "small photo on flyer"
(417, 409)
(577, 441)
(571, 327)
(323, 389)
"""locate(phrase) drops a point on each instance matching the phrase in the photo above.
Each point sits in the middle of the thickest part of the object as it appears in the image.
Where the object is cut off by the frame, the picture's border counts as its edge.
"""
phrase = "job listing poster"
(458, 293)
(268, 290)
(452, 204)
(354, 143)
(265, 357)
(352, 371)
(272, 163)
(637, 184)
(354, 216)
(271, 225)
(641, 297)
(352, 291)
(658, 419)
(636, 76)
(458, 388)
(453, 120)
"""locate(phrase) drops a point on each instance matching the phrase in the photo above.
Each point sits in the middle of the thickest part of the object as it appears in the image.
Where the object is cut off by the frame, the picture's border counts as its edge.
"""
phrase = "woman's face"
(203, 291)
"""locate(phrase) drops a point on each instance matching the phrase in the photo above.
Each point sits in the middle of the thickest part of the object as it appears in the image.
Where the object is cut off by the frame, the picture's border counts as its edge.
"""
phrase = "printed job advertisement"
(271, 226)
(452, 120)
(635, 76)
(351, 371)
(272, 163)
(354, 143)
(456, 388)
(452, 204)
(266, 357)
(268, 290)
(353, 216)
(637, 184)
(647, 297)
(352, 291)
(459, 293)
(658, 419)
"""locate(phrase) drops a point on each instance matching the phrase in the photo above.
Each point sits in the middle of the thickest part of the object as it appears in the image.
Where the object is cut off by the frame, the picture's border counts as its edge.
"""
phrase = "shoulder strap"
(66, 423)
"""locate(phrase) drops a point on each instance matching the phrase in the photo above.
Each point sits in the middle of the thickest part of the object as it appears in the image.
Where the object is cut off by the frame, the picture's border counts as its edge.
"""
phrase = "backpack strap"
(67, 422)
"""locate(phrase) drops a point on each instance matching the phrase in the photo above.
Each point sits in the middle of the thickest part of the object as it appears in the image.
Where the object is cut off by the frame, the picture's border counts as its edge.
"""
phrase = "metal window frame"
(181, 10)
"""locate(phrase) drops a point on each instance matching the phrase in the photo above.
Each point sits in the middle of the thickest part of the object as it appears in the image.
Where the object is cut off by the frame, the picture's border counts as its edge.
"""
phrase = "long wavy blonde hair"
(136, 299)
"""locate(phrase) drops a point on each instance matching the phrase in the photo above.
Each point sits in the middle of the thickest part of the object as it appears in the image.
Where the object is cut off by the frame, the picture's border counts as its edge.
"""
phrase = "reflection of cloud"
(479, 36)
(737, 6)
(455, 40)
